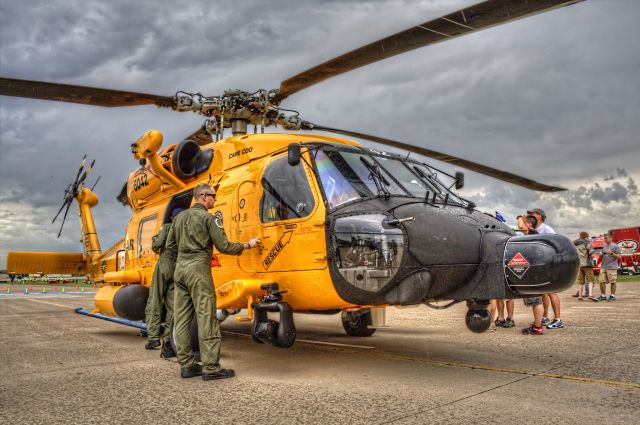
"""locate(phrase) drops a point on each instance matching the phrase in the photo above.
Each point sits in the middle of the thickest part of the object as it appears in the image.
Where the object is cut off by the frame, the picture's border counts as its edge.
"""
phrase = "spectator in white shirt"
(542, 228)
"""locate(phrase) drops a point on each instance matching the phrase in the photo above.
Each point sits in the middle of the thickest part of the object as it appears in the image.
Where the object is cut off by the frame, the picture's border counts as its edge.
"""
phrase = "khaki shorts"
(586, 275)
(531, 301)
(608, 276)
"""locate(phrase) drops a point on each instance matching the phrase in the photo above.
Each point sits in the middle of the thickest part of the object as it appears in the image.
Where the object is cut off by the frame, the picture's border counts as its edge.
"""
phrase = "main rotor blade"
(473, 18)
(478, 168)
(79, 94)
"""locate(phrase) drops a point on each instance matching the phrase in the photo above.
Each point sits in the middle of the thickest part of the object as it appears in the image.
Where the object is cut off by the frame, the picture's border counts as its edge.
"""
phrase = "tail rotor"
(73, 189)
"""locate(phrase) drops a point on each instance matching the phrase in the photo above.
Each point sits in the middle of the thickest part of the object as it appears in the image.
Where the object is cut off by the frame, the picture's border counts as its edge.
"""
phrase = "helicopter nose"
(536, 264)
(459, 254)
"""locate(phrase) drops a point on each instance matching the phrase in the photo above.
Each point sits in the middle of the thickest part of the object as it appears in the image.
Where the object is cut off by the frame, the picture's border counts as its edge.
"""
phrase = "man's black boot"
(167, 350)
(221, 374)
(190, 372)
(151, 344)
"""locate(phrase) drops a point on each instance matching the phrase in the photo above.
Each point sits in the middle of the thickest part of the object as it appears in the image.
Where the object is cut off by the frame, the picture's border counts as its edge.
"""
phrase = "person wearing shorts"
(609, 268)
(536, 327)
(586, 277)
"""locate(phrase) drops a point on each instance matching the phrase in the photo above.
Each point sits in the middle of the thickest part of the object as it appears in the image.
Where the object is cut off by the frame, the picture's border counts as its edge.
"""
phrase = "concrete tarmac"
(60, 367)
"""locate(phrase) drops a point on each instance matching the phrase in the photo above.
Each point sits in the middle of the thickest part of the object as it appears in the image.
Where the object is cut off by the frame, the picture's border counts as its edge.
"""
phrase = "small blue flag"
(500, 217)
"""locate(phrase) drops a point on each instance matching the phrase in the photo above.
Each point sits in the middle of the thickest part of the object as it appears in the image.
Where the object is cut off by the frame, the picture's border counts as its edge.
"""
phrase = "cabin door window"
(146, 231)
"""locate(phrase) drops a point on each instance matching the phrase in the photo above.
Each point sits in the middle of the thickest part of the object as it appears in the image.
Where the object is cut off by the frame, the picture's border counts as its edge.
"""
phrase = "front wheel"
(356, 323)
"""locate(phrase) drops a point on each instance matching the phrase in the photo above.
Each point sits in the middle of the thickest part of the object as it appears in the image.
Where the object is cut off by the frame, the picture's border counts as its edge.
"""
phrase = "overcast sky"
(555, 97)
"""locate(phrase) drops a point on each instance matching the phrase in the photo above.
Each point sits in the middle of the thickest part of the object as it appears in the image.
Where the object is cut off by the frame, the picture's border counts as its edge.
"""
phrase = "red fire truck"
(628, 239)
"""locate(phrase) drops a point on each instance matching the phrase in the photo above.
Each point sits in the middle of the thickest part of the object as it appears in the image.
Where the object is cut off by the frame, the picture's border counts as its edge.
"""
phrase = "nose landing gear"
(478, 318)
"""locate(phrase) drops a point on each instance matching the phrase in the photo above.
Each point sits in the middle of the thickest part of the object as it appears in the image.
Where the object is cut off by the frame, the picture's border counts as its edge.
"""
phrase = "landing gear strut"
(356, 323)
(280, 334)
(478, 318)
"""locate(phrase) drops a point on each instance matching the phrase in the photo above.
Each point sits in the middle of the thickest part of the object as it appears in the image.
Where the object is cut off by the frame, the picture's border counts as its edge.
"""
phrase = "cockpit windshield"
(348, 175)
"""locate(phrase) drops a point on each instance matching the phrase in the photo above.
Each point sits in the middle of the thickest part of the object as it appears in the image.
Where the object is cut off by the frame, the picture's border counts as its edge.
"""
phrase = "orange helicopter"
(345, 229)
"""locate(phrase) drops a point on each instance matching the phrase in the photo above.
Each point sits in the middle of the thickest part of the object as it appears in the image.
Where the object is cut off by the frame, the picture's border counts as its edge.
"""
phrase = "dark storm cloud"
(555, 97)
(604, 193)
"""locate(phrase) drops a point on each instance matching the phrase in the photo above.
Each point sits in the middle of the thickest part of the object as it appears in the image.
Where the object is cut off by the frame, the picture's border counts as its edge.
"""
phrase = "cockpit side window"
(287, 194)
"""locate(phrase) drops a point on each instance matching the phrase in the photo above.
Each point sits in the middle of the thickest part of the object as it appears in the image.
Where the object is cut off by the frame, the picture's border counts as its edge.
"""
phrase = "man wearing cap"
(161, 293)
(542, 228)
(547, 299)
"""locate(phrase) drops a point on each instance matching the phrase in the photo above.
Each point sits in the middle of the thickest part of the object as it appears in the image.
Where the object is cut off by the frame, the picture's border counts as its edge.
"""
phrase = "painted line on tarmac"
(309, 341)
(424, 360)
(46, 302)
(335, 344)
(19, 296)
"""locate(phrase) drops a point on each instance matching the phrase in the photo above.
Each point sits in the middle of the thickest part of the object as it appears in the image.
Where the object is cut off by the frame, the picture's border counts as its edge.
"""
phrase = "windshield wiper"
(378, 179)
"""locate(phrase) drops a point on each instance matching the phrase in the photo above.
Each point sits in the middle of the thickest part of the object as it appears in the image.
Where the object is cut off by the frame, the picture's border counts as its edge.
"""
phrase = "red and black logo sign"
(518, 265)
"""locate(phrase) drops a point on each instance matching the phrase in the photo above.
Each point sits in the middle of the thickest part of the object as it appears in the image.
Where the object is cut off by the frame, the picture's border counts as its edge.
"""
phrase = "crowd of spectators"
(531, 223)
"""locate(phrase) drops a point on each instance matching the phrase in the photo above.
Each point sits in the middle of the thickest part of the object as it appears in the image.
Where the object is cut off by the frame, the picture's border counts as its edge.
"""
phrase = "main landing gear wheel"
(478, 318)
(356, 323)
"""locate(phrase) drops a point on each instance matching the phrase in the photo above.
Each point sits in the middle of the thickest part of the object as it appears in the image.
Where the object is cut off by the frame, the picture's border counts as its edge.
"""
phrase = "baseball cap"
(539, 211)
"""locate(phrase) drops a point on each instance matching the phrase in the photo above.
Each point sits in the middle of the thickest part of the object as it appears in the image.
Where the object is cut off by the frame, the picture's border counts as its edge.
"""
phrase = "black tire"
(357, 324)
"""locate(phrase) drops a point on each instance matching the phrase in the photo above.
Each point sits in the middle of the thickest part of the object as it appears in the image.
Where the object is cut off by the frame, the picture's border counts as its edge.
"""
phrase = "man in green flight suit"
(193, 234)
(161, 293)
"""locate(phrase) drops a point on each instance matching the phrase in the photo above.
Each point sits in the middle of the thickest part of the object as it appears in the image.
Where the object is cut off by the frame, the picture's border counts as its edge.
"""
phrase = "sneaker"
(499, 322)
(602, 298)
(508, 323)
(576, 295)
(190, 372)
(611, 298)
(167, 351)
(545, 321)
(594, 299)
(533, 330)
(151, 344)
(221, 374)
(556, 324)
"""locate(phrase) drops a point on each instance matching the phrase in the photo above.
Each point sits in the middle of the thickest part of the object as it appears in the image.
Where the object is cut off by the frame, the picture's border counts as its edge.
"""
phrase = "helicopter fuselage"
(346, 227)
